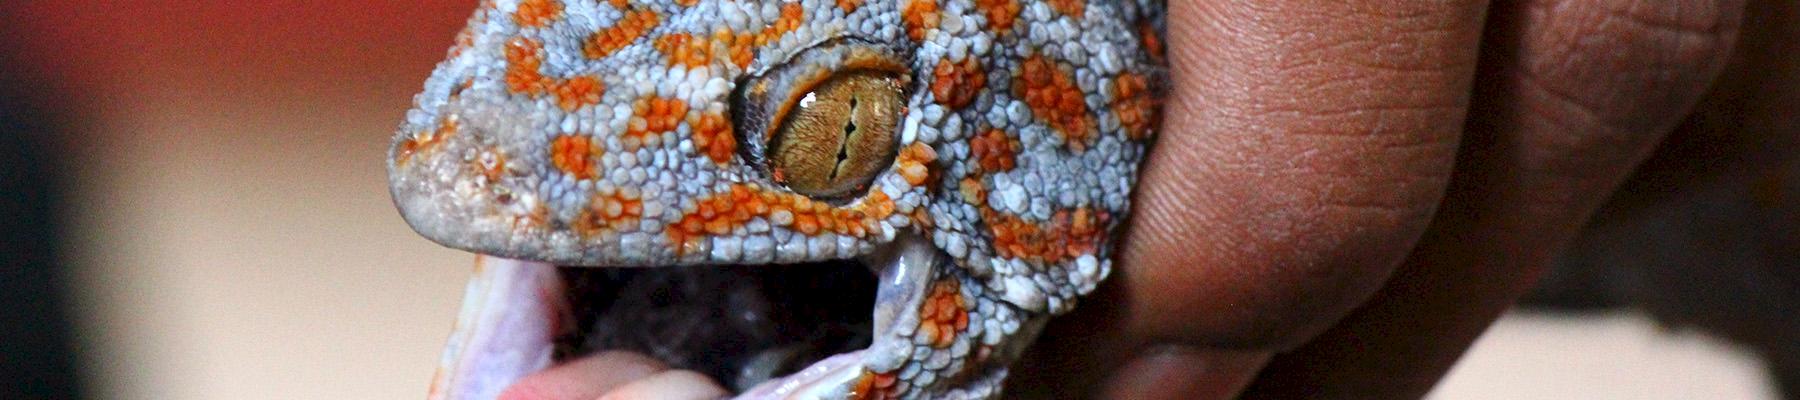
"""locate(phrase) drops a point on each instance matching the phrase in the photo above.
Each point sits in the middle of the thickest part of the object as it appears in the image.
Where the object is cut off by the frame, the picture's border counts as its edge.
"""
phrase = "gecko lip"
(740, 324)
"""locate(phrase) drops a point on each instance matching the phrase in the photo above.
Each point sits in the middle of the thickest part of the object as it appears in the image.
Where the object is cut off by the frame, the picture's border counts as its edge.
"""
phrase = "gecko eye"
(836, 137)
(824, 121)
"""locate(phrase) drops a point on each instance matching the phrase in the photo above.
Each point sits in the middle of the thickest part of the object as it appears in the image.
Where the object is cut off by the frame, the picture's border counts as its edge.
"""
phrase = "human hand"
(1327, 223)
(1346, 193)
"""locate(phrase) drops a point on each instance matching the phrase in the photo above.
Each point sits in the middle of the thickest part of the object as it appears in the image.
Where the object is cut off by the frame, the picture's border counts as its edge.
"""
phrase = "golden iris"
(838, 136)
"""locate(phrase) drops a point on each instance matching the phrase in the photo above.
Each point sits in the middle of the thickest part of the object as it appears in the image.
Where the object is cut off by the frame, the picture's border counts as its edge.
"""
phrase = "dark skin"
(1358, 188)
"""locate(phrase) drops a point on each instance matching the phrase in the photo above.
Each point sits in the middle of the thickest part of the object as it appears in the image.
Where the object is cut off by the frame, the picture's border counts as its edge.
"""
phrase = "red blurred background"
(225, 229)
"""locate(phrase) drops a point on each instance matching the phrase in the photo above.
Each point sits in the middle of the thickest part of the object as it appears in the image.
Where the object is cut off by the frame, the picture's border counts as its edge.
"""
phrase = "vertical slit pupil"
(844, 145)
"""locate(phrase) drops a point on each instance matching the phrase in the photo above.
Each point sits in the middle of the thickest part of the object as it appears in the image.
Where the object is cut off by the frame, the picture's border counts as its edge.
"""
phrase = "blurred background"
(194, 206)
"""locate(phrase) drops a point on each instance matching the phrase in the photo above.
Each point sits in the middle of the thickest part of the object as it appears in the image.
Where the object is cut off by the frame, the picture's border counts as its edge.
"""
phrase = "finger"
(1083, 354)
(1572, 96)
(1183, 372)
(669, 385)
(585, 378)
(1304, 147)
(1309, 159)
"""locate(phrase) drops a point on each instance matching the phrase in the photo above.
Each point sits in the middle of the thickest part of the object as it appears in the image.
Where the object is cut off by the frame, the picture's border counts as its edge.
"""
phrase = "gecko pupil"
(835, 140)
(844, 150)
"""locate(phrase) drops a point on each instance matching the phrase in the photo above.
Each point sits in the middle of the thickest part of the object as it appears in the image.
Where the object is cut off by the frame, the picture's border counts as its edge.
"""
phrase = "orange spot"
(577, 92)
(650, 118)
(574, 155)
(873, 386)
(609, 210)
(1068, 234)
(738, 46)
(792, 15)
(922, 218)
(1072, 8)
(524, 57)
(849, 6)
(1000, 13)
(721, 213)
(1135, 105)
(1051, 93)
(1152, 40)
(712, 137)
(914, 162)
(741, 47)
(955, 84)
(628, 29)
(687, 3)
(425, 141)
(972, 191)
(619, 3)
(993, 151)
(685, 49)
(537, 13)
(919, 15)
(943, 313)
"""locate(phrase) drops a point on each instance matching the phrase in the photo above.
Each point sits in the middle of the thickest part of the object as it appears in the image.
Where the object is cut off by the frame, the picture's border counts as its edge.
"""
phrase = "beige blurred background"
(233, 236)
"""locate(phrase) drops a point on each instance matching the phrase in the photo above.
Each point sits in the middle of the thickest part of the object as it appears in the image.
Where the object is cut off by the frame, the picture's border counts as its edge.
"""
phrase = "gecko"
(702, 180)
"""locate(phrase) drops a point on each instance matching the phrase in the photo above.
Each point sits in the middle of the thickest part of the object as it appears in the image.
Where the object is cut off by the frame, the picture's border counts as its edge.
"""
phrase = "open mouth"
(740, 324)
(765, 331)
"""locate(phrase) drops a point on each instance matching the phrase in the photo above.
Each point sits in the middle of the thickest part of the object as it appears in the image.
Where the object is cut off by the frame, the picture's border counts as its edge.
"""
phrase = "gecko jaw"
(767, 331)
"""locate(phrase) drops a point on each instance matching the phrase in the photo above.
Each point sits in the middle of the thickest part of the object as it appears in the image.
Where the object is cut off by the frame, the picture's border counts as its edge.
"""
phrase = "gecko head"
(786, 167)
(758, 169)
(661, 141)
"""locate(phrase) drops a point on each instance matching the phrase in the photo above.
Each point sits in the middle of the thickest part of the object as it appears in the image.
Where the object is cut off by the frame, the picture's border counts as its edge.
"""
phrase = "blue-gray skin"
(646, 133)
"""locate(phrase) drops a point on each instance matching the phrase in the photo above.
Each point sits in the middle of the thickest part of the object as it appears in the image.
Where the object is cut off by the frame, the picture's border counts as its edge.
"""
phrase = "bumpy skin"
(630, 133)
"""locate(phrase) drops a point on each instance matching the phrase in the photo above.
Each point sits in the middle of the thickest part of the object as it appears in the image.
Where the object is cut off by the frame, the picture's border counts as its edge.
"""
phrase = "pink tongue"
(504, 331)
(821, 377)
